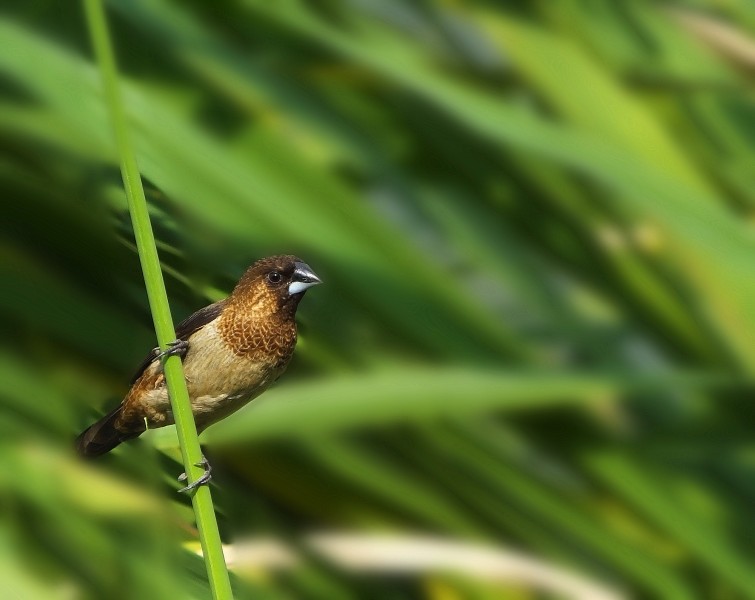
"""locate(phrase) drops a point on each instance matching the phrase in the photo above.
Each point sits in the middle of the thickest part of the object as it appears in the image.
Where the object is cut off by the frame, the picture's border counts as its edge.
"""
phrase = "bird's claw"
(175, 348)
(203, 479)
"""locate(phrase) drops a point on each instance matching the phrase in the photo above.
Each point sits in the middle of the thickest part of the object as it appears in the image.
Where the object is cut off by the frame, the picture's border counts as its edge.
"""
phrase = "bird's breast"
(221, 375)
(220, 379)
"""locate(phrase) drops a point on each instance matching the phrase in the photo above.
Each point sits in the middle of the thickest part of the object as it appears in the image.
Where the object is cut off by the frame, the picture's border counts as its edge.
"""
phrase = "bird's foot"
(175, 348)
(204, 479)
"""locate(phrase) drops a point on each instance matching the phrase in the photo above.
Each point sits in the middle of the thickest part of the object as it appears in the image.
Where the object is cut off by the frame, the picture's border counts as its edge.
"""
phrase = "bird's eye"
(274, 277)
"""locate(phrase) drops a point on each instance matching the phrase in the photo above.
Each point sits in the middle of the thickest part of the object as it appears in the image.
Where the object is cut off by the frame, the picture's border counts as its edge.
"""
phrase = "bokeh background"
(529, 372)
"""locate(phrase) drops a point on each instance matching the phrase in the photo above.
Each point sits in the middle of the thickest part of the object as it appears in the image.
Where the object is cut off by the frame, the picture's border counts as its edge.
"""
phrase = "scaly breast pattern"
(229, 362)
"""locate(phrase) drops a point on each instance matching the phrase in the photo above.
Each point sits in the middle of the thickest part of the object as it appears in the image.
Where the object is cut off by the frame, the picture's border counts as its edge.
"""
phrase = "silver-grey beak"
(304, 277)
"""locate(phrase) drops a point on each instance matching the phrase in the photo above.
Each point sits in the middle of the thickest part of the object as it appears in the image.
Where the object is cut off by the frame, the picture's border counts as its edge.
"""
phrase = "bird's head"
(275, 284)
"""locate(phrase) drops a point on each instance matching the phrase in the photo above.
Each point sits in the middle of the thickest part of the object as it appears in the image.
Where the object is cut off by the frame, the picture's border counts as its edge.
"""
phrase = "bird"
(232, 351)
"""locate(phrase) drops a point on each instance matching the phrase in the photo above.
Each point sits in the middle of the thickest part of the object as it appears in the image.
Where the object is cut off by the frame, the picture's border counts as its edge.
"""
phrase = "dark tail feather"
(102, 436)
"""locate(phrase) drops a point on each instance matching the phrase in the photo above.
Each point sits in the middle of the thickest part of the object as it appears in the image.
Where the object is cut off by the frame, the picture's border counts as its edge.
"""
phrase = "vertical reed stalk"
(158, 302)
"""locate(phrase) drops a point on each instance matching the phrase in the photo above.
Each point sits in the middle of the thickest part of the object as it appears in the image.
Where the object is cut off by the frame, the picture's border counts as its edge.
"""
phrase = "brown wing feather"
(103, 436)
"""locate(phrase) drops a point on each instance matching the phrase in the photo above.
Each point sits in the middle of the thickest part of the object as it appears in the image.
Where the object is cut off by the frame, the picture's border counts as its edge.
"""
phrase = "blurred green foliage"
(534, 221)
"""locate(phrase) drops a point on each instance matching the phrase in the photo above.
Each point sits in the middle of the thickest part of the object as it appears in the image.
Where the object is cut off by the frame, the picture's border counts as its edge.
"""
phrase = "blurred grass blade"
(639, 487)
(419, 394)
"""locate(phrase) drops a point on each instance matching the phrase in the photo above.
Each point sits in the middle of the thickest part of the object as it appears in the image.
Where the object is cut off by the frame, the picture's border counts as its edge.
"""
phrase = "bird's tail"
(101, 437)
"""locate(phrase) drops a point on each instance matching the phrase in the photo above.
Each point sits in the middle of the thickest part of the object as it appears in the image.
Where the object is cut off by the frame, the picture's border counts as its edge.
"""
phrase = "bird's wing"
(184, 329)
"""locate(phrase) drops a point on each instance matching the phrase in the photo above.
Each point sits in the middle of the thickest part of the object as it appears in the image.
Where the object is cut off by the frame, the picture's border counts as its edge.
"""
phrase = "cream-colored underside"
(219, 382)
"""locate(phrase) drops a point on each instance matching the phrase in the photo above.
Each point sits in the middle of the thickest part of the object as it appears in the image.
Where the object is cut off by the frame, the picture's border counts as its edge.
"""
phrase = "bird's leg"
(175, 348)
(204, 479)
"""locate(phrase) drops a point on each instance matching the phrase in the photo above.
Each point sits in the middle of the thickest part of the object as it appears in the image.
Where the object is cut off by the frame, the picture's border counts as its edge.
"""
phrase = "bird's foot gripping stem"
(204, 478)
(175, 348)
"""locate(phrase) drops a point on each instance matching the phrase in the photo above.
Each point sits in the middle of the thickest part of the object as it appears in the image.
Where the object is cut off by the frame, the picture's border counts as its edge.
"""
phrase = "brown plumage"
(236, 349)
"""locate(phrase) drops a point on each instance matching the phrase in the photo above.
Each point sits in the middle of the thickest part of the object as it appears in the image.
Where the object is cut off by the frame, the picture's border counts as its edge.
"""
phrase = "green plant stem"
(158, 302)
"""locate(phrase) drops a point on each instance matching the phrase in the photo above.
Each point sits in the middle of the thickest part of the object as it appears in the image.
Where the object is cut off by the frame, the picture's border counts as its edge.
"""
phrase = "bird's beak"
(304, 277)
